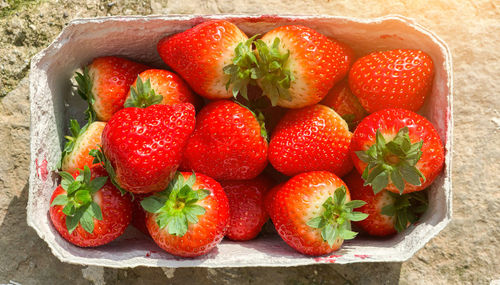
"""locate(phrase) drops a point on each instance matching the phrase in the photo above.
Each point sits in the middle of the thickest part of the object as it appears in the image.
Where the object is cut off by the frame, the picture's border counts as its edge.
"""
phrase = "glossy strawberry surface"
(145, 146)
(311, 138)
(246, 203)
(227, 143)
(392, 79)
(116, 214)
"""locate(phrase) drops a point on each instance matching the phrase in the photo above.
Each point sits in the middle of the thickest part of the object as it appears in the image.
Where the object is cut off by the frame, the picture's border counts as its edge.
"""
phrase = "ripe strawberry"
(214, 57)
(341, 99)
(388, 212)
(143, 147)
(347, 54)
(392, 79)
(311, 138)
(297, 65)
(87, 210)
(269, 199)
(105, 83)
(246, 203)
(190, 217)
(138, 214)
(154, 82)
(312, 212)
(397, 149)
(227, 143)
(76, 151)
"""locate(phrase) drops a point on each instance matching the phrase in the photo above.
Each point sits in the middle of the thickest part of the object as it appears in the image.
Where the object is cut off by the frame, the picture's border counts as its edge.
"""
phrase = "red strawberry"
(312, 212)
(388, 212)
(311, 138)
(87, 210)
(160, 82)
(76, 151)
(269, 199)
(227, 143)
(392, 79)
(347, 105)
(297, 65)
(138, 214)
(214, 57)
(397, 149)
(105, 83)
(246, 203)
(347, 53)
(190, 217)
(144, 146)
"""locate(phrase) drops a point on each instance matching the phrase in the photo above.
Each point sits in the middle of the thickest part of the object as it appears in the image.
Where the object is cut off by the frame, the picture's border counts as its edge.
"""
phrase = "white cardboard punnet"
(135, 37)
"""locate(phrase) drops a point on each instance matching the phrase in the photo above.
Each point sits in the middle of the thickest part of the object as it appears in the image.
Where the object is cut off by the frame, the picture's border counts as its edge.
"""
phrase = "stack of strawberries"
(289, 126)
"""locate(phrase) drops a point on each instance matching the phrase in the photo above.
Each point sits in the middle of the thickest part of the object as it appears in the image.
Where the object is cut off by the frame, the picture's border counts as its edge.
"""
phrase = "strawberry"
(76, 151)
(392, 79)
(169, 85)
(341, 99)
(142, 147)
(246, 203)
(228, 143)
(397, 149)
(312, 212)
(87, 210)
(311, 138)
(269, 199)
(214, 57)
(105, 83)
(297, 65)
(388, 213)
(190, 217)
(138, 214)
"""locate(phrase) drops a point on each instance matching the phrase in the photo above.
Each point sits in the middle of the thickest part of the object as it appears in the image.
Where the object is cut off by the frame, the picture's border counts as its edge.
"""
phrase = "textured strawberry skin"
(138, 214)
(111, 79)
(392, 79)
(171, 86)
(116, 215)
(203, 236)
(311, 138)
(226, 143)
(315, 61)
(298, 201)
(200, 53)
(390, 121)
(341, 99)
(145, 146)
(79, 156)
(246, 202)
(376, 224)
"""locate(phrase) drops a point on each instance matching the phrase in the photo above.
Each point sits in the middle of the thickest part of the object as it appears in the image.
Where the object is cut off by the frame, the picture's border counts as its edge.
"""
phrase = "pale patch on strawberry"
(79, 156)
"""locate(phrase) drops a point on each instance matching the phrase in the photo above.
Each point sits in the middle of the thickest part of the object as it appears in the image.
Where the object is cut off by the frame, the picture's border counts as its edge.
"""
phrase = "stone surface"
(466, 252)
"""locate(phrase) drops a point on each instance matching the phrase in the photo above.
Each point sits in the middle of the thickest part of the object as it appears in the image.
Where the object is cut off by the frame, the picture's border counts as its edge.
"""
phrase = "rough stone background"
(466, 252)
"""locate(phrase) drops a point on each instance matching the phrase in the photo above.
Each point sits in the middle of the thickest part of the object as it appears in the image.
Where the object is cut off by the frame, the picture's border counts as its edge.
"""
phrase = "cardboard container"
(135, 37)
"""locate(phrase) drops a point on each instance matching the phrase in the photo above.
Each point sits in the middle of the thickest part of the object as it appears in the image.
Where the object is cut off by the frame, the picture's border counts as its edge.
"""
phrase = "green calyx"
(243, 70)
(394, 160)
(84, 89)
(334, 222)
(406, 208)
(274, 78)
(79, 206)
(142, 95)
(76, 132)
(259, 116)
(176, 207)
(99, 157)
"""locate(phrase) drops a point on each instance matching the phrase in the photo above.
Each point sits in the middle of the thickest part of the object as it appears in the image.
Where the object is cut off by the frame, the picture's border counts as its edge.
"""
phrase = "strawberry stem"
(392, 161)
(100, 158)
(84, 90)
(142, 95)
(406, 208)
(176, 207)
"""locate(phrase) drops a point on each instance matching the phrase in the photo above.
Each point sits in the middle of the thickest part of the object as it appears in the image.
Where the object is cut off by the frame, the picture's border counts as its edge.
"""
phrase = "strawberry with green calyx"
(397, 149)
(388, 212)
(105, 83)
(81, 141)
(87, 210)
(312, 212)
(210, 55)
(190, 217)
(296, 66)
(160, 87)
